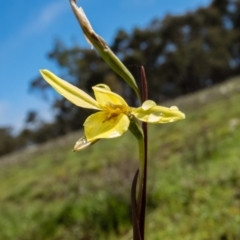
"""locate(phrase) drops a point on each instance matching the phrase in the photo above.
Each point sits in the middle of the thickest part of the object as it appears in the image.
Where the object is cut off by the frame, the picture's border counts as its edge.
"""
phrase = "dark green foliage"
(181, 54)
(7, 141)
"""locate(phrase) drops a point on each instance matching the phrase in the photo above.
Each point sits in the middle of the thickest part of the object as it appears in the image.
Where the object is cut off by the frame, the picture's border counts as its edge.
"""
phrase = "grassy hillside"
(48, 192)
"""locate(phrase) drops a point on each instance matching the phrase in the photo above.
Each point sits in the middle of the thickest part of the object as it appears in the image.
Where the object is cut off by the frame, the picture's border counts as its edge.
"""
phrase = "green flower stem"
(141, 150)
(144, 183)
(145, 159)
(137, 131)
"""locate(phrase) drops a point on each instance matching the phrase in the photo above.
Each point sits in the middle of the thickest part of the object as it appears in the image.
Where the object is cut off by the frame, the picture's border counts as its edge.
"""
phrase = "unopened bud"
(82, 143)
(100, 45)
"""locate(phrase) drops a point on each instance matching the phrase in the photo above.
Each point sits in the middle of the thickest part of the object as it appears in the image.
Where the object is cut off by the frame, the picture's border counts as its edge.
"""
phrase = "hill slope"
(52, 193)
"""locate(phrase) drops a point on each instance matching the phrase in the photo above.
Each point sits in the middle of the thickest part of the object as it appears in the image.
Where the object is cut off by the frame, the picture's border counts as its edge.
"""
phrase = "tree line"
(181, 54)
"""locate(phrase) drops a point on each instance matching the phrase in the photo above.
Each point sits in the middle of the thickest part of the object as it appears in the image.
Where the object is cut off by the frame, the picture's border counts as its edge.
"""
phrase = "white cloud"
(4, 106)
(44, 19)
(38, 23)
(9, 118)
(15, 118)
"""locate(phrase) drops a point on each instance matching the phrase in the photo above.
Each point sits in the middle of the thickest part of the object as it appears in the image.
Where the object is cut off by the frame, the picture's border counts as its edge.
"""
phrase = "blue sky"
(28, 30)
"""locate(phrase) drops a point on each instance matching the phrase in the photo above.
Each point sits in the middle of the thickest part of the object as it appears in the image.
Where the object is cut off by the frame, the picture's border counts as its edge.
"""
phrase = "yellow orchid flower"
(113, 116)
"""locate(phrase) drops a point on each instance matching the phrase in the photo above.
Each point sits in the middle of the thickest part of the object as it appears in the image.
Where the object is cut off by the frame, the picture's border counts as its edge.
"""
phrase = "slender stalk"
(135, 219)
(144, 85)
(144, 180)
(141, 149)
(139, 205)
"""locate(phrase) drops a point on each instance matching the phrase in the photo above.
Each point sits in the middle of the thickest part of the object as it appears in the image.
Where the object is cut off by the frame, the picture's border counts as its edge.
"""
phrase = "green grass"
(193, 188)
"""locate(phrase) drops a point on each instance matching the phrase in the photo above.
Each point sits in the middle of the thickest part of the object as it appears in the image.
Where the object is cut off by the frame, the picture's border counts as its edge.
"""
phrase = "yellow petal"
(106, 96)
(98, 126)
(158, 114)
(70, 92)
